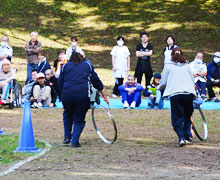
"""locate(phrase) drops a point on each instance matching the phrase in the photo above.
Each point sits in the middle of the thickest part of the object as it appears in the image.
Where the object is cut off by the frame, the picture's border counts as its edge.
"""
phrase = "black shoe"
(66, 140)
(77, 145)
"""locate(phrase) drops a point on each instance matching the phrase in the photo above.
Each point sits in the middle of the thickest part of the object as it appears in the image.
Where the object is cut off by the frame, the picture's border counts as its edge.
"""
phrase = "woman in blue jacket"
(74, 84)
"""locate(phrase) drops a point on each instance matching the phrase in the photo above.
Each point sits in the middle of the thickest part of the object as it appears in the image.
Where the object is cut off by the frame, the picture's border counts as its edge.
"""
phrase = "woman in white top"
(168, 49)
(74, 47)
(120, 63)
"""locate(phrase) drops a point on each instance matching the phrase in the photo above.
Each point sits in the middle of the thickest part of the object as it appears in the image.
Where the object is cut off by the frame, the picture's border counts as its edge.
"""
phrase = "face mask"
(216, 60)
(74, 43)
(3, 44)
(198, 61)
(120, 43)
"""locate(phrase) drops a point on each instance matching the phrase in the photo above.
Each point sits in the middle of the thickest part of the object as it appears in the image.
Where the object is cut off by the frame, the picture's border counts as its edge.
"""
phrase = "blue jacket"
(211, 70)
(131, 96)
(75, 79)
(43, 66)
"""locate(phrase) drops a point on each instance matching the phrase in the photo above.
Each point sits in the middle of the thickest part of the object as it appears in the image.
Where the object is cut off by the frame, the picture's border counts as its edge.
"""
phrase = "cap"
(40, 75)
(5, 61)
(157, 75)
(216, 54)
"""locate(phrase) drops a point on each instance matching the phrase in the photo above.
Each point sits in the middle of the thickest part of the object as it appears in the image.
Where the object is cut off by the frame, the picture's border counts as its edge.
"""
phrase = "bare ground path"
(146, 149)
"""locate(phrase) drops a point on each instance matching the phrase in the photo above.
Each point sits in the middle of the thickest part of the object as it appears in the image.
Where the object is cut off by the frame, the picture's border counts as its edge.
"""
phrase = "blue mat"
(117, 104)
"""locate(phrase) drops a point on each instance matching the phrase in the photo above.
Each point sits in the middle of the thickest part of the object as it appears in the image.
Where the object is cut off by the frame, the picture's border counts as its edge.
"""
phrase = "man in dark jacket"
(42, 94)
(213, 75)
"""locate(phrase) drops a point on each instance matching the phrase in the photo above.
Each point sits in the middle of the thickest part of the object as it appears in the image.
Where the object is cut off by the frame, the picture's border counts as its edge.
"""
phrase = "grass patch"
(8, 145)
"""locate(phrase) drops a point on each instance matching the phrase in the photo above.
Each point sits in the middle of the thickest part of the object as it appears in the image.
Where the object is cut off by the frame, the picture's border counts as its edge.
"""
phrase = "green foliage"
(8, 145)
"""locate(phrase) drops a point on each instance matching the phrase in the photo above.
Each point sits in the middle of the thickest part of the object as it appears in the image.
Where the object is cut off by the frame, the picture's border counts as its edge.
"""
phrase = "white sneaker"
(114, 96)
(40, 105)
(126, 105)
(133, 104)
(182, 143)
(34, 105)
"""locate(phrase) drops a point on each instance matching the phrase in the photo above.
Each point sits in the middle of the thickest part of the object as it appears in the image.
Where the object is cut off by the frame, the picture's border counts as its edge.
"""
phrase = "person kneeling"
(131, 93)
(154, 96)
(42, 94)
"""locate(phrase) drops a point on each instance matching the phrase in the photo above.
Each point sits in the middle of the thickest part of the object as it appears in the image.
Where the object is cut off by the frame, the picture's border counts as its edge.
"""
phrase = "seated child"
(154, 96)
(6, 75)
(131, 93)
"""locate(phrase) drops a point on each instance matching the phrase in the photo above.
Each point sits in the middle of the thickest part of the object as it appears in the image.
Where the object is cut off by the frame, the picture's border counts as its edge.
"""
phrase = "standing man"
(5, 50)
(143, 51)
(32, 48)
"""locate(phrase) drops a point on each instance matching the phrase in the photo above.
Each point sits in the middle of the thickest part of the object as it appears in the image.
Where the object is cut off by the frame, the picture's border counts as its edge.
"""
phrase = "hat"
(40, 75)
(216, 54)
(157, 75)
(6, 61)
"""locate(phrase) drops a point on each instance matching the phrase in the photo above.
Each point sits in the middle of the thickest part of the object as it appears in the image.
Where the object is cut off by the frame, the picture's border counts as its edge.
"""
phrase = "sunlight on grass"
(163, 25)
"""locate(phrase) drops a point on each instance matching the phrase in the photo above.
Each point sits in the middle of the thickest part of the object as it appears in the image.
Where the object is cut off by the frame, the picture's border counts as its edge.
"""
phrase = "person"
(73, 48)
(5, 50)
(178, 80)
(131, 93)
(53, 81)
(26, 90)
(75, 91)
(58, 63)
(168, 49)
(7, 73)
(143, 51)
(32, 48)
(120, 63)
(43, 64)
(42, 94)
(154, 96)
(200, 71)
(213, 76)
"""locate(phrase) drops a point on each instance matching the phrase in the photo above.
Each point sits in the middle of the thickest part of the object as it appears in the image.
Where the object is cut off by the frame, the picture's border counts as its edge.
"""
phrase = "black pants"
(75, 109)
(147, 78)
(181, 112)
(119, 82)
(209, 86)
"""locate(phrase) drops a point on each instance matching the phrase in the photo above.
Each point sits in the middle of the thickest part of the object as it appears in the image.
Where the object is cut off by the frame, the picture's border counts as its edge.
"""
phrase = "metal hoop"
(96, 128)
(204, 125)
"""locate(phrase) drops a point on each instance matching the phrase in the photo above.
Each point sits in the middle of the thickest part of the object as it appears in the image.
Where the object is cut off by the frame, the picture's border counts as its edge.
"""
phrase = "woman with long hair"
(178, 80)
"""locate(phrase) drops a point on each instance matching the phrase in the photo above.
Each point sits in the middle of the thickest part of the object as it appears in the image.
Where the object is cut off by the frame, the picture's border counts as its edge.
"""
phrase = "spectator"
(58, 63)
(73, 48)
(143, 51)
(42, 94)
(213, 76)
(32, 48)
(200, 71)
(26, 90)
(43, 64)
(131, 93)
(6, 75)
(120, 63)
(178, 80)
(154, 96)
(168, 49)
(53, 81)
(5, 50)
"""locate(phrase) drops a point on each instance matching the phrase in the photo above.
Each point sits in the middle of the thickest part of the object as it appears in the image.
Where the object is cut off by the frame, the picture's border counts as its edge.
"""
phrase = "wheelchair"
(14, 96)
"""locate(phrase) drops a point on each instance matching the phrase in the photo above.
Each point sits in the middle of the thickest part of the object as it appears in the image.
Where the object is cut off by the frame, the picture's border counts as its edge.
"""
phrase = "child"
(43, 64)
(120, 63)
(200, 71)
(178, 80)
(153, 95)
(131, 93)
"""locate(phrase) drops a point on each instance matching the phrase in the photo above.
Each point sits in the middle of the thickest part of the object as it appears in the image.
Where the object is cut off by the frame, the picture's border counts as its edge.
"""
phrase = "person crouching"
(131, 93)
(42, 94)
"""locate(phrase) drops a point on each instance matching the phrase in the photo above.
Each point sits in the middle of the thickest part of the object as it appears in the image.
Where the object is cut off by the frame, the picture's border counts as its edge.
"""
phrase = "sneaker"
(182, 143)
(150, 105)
(126, 105)
(214, 99)
(188, 140)
(2, 102)
(40, 105)
(34, 105)
(66, 140)
(77, 145)
(156, 106)
(133, 104)
(114, 96)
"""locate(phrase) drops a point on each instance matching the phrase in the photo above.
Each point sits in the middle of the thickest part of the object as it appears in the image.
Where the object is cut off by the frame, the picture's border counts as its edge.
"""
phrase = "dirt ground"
(147, 148)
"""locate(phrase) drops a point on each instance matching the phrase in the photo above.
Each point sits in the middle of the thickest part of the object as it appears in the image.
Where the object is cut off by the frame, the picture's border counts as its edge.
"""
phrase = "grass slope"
(195, 24)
